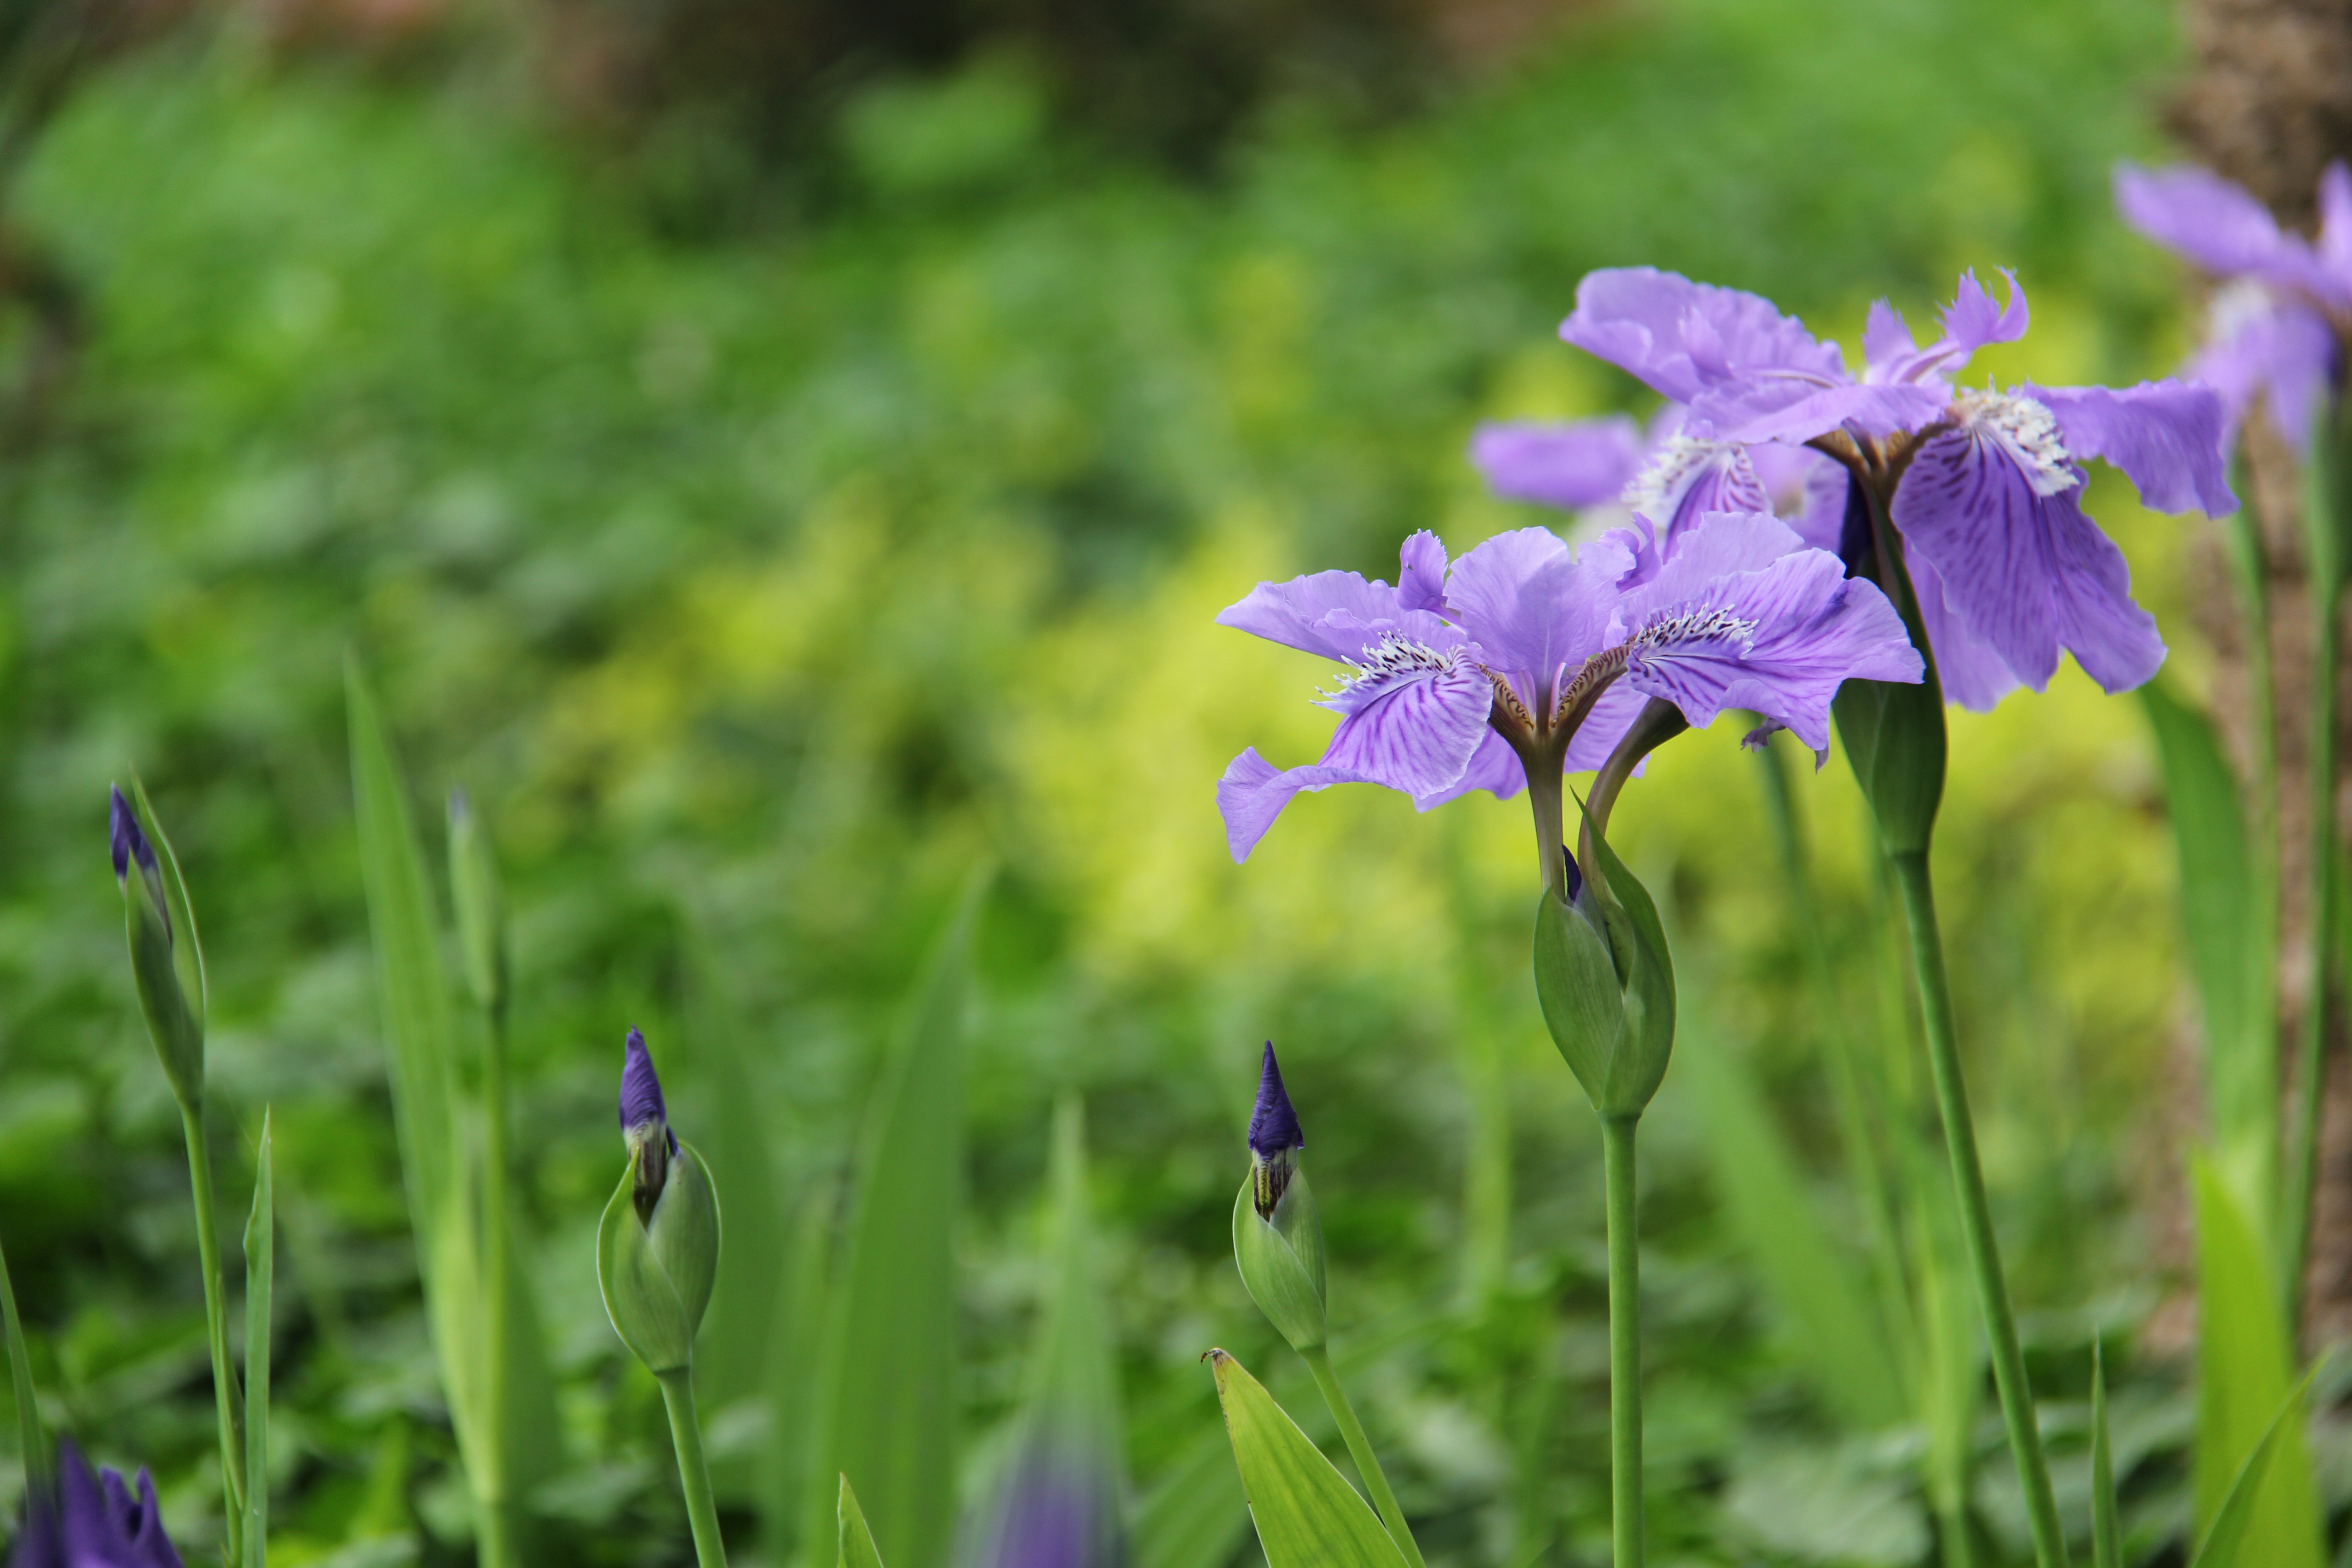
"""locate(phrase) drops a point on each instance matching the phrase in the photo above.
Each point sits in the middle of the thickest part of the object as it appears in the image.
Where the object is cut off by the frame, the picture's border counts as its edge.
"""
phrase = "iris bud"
(1278, 1238)
(171, 994)
(1606, 983)
(658, 1249)
(1893, 731)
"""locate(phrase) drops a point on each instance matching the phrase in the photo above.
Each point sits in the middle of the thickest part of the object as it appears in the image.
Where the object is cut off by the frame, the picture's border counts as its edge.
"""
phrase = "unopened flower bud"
(171, 989)
(1607, 985)
(1278, 1238)
(658, 1249)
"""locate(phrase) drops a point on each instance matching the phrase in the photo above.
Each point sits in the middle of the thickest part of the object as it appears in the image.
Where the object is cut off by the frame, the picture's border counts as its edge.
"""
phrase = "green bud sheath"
(1281, 1259)
(1606, 983)
(176, 1027)
(1894, 738)
(657, 1275)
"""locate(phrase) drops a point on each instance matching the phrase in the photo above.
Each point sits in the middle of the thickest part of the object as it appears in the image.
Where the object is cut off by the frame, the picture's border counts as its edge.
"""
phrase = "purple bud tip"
(1274, 1126)
(128, 843)
(641, 1095)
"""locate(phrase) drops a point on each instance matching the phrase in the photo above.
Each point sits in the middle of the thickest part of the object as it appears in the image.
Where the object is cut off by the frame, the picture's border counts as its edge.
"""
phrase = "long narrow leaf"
(260, 1268)
(2226, 919)
(886, 1398)
(1308, 1515)
(2106, 1519)
(2234, 1523)
(31, 1442)
(794, 1362)
(2245, 1373)
(1834, 1323)
(418, 1027)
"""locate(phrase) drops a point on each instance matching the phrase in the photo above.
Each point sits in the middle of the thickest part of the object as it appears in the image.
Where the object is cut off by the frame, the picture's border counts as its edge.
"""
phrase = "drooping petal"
(1532, 607)
(1413, 715)
(1970, 669)
(2216, 224)
(2021, 566)
(2164, 435)
(1253, 793)
(1682, 337)
(1494, 767)
(1421, 573)
(1780, 640)
(1566, 464)
(1335, 614)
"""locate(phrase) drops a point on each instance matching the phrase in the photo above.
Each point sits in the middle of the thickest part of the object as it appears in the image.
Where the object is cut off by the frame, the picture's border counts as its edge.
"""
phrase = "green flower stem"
(1976, 1213)
(225, 1392)
(693, 1473)
(2311, 1047)
(1319, 1361)
(1624, 1344)
(498, 1525)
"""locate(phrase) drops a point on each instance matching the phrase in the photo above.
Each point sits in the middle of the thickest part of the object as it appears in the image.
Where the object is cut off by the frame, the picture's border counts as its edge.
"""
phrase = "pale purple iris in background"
(1984, 487)
(1524, 659)
(2275, 323)
(1601, 469)
(95, 1522)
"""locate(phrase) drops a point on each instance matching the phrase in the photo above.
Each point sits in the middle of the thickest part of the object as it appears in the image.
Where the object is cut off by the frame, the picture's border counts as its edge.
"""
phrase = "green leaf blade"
(261, 1274)
(1308, 1516)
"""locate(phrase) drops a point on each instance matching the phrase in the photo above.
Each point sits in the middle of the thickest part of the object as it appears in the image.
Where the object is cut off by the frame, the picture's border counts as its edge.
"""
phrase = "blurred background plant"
(779, 458)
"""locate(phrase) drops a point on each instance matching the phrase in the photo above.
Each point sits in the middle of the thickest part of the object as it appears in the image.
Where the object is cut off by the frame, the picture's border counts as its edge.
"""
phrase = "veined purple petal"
(1413, 715)
(2164, 435)
(1688, 476)
(1566, 464)
(1533, 607)
(2216, 224)
(1970, 669)
(1780, 640)
(1421, 573)
(2257, 344)
(1335, 614)
(1494, 767)
(2022, 567)
(1682, 337)
(1274, 1125)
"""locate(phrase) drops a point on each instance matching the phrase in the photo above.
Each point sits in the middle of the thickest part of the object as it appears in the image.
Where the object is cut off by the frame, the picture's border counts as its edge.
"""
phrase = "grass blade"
(1062, 1493)
(1308, 1515)
(1835, 1322)
(2227, 923)
(857, 1540)
(2106, 1519)
(2244, 1375)
(260, 1267)
(420, 1032)
(885, 1394)
(2234, 1520)
(30, 1440)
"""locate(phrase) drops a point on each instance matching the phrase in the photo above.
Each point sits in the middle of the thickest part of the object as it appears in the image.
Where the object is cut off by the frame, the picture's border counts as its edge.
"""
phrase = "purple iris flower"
(644, 1123)
(2275, 325)
(1983, 487)
(1671, 477)
(1523, 660)
(95, 1522)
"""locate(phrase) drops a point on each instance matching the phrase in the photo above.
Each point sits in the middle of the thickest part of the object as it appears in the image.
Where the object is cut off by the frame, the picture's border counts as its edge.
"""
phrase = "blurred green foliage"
(759, 586)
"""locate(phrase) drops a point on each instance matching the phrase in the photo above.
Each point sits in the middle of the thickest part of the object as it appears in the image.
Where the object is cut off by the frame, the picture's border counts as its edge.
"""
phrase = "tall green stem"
(1359, 1448)
(225, 1392)
(693, 1473)
(499, 1526)
(1624, 1343)
(1975, 1212)
(2311, 1047)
